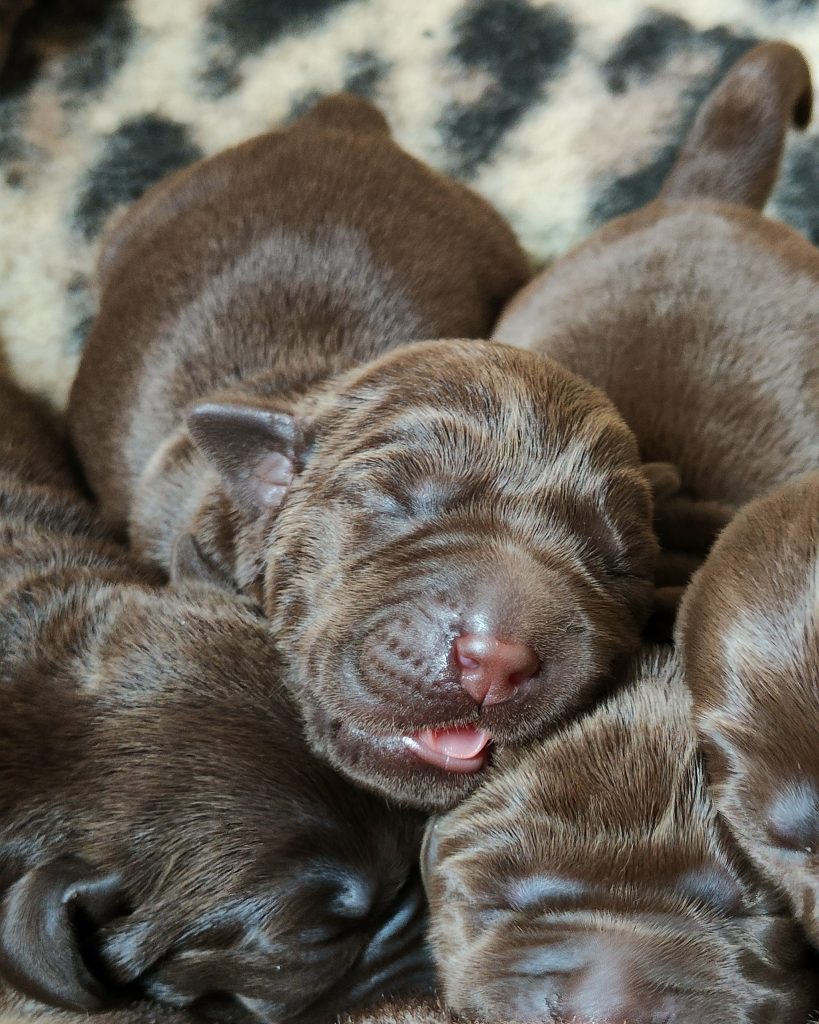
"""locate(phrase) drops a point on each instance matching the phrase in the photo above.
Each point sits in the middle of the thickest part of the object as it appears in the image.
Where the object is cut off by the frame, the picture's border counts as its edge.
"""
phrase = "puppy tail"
(734, 148)
(345, 111)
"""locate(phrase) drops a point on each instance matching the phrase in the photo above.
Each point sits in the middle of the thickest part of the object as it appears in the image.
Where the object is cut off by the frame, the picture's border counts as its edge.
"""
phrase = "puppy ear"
(47, 923)
(190, 563)
(253, 450)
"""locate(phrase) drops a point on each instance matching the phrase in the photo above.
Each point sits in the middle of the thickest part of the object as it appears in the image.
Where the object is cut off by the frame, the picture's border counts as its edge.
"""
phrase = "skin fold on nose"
(491, 670)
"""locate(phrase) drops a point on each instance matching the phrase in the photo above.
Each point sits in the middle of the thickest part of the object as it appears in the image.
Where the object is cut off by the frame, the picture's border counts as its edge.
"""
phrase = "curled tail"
(733, 150)
(346, 111)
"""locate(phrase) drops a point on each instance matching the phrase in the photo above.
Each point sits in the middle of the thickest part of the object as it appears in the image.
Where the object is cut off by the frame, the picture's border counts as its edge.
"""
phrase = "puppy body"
(749, 636)
(248, 405)
(265, 272)
(698, 316)
(164, 830)
(590, 879)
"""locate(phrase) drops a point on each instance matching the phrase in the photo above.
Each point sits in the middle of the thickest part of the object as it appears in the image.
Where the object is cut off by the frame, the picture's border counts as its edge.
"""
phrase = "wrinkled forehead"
(498, 419)
(768, 697)
(600, 836)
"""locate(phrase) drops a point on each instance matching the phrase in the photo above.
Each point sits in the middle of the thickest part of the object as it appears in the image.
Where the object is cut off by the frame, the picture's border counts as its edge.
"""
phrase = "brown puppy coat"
(590, 878)
(699, 317)
(164, 829)
(749, 636)
(451, 539)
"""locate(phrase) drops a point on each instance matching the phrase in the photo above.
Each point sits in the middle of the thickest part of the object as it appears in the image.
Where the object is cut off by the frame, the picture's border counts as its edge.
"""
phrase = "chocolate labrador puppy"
(698, 316)
(164, 829)
(590, 879)
(452, 540)
(749, 636)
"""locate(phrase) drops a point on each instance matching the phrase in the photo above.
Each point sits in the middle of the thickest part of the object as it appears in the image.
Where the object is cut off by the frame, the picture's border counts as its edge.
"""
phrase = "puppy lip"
(462, 749)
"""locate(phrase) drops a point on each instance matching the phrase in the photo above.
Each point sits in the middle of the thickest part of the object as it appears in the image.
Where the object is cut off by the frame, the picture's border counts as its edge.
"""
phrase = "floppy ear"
(47, 922)
(253, 450)
(189, 562)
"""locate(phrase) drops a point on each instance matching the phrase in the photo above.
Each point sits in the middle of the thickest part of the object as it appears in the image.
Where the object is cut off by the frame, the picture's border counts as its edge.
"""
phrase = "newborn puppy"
(164, 830)
(589, 878)
(697, 316)
(451, 539)
(749, 636)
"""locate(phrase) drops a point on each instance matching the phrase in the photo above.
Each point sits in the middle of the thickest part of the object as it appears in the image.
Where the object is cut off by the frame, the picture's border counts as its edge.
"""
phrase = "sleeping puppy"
(589, 878)
(451, 539)
(749, 636)
(164, 830)
(698, 316)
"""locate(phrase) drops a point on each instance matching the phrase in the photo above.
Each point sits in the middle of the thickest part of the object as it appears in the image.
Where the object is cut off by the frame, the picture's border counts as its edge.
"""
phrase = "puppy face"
(749, 632)
(588, 880)
(463, 554)
(255, 882)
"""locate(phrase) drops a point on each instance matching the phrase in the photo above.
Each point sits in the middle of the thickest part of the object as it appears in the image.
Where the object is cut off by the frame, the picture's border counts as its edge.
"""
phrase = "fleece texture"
(563, 114)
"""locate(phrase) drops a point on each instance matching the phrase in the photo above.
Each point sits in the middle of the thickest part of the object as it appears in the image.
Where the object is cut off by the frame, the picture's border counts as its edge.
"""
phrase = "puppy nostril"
(464, 660)
(492, 670)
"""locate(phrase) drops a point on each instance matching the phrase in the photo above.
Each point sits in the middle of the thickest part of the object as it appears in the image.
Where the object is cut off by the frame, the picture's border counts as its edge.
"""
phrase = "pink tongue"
(459, 744)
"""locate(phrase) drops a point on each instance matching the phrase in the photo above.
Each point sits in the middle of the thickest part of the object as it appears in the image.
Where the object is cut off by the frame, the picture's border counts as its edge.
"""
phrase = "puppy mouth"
(461, 749)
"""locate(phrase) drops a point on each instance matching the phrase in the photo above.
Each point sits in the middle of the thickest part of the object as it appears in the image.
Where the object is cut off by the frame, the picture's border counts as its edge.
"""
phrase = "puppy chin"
(389, 765)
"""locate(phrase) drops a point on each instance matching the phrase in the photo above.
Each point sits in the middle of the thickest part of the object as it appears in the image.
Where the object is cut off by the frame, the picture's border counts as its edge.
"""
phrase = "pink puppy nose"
(492, 669)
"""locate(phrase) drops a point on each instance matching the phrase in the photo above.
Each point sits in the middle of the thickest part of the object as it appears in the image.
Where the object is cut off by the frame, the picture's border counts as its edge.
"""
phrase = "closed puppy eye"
(793, 819)
(536, 892)
(715, 888)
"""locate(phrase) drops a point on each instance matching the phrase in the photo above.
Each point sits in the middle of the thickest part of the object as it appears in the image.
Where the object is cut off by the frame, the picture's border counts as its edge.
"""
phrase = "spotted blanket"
(563, 114)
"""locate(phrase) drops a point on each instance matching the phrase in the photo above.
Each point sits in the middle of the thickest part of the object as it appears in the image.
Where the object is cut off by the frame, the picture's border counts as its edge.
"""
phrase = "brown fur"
(246, 401)
(11, 11)
(164, 830)
(590, 876)
(698, 316)
(18, 1009)
(749, 635)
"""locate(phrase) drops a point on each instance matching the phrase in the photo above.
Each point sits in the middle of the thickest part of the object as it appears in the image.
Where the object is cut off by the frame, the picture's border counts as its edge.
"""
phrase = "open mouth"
(462, 749)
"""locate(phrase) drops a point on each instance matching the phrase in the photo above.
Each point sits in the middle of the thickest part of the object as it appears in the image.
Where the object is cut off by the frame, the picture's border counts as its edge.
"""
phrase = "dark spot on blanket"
(12, 144)
(137, 154)
(236, 29)
(365, 70)
(81, 307)
(521, 48)
(51, 28)
(92, 65)
(788, 6)
(666, 36)
(796, 198)
(644, 50)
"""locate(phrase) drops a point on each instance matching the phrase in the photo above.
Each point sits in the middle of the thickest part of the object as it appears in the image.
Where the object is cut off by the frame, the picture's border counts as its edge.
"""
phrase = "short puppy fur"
(164, 830)
(749, 637)
(698, 316)
(590, 878)
(451, 539)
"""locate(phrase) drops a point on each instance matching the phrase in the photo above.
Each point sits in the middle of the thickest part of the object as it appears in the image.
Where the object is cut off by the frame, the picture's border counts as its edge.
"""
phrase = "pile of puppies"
(371, 576)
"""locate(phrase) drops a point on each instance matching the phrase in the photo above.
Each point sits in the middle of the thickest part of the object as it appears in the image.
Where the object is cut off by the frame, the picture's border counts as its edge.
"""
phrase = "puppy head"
(588, 879)
(260, 884)
(749, 633)
(461, 549)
